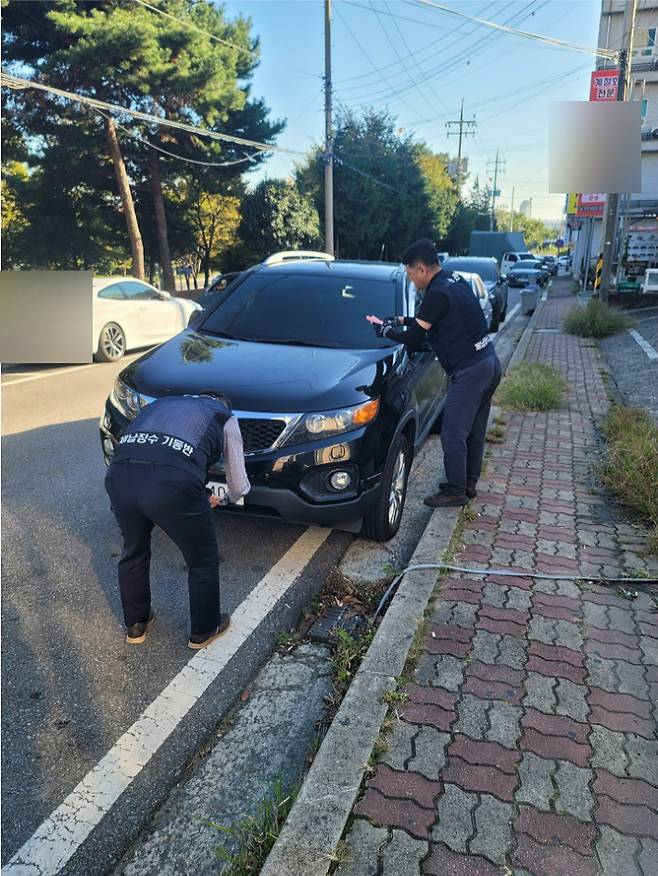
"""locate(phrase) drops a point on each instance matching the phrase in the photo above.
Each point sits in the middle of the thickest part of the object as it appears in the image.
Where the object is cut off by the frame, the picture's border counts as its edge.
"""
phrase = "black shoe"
(136, 634)
(471, 492)
(202, 640)
(445, 500)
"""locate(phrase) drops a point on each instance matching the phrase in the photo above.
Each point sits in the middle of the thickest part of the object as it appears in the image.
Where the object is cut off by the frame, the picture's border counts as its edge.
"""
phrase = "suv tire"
(383, 521)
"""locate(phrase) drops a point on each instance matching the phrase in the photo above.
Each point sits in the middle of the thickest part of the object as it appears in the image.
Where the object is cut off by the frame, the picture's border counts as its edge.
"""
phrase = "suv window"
(486, 268)
(139, 291)
(323, 310)
(114, 292)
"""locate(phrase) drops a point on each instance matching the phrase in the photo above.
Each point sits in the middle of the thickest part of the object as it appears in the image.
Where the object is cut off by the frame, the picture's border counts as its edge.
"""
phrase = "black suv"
(330, 414)
(488, 270)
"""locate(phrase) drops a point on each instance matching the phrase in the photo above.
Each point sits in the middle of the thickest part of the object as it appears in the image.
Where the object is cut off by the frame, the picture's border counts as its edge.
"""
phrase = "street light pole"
(328, 137)
(611, 219)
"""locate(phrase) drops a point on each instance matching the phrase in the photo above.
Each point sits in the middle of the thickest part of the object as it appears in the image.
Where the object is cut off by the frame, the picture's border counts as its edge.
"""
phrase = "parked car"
(215, 289)
(480, 292)
(526, 272)
(551, 263)
(487, 268)
(129, 313)
(511, 259)
(649, 283)
(331, 415)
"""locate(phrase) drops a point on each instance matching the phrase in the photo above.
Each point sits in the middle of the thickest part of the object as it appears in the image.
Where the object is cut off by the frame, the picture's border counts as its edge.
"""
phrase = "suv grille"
(260, 434)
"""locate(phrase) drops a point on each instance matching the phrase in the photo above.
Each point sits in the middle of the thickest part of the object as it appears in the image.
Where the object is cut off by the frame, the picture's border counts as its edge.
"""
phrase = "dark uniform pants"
(464, 425)
(144, 494)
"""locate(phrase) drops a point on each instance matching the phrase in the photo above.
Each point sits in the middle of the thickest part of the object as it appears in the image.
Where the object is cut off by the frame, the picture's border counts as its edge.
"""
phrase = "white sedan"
(130, 313)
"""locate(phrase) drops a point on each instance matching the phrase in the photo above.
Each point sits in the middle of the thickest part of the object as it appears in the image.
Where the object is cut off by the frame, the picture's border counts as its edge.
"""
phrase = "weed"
(595, 320)
(396, 696)
(496, 435)
(630, 466)
(348, 655)
(256, 834)
(532, 386)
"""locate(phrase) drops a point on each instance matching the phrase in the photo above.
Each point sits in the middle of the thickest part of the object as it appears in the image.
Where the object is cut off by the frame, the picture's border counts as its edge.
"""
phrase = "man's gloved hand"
(383, 328)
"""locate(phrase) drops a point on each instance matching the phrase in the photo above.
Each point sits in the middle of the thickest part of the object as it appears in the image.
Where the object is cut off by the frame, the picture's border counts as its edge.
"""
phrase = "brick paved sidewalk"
(528, 743)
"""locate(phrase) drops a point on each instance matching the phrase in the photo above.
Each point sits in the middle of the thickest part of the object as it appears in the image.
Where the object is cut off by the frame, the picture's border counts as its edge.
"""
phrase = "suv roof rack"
(290, 255)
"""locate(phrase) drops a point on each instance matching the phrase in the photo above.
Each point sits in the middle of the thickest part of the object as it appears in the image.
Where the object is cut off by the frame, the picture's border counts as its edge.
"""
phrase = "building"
(525, 208)
(638, 241)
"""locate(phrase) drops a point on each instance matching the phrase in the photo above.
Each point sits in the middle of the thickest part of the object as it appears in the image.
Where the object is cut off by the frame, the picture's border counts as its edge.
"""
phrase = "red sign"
(590, 205)
(604, 84)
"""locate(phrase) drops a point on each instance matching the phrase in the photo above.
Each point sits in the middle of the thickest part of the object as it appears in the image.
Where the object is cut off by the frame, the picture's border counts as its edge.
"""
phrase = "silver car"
(480, 292)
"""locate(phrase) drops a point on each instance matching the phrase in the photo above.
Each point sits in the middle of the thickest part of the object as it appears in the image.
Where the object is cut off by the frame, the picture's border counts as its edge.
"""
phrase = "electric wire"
(191, 26)
(17, 83)
(551, 41)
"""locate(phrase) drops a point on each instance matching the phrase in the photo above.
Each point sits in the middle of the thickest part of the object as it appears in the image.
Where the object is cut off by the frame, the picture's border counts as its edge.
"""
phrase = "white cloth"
(236, 474)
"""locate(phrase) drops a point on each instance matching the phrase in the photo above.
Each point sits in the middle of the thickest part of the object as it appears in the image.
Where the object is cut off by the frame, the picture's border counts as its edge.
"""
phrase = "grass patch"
(256, 834)
(595, 320)
(532, 386)
(630, 467)
(496, 434)
(348, 656)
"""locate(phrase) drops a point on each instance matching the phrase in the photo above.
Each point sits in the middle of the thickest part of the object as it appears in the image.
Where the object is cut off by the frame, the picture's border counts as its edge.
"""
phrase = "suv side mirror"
(195, 318)
(503, 277)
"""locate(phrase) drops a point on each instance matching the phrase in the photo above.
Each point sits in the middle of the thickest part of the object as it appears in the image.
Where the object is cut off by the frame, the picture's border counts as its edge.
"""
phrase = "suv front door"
(427, 379)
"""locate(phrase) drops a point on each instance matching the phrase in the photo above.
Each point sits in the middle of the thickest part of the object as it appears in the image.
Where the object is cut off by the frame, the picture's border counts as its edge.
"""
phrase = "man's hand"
(214, 501)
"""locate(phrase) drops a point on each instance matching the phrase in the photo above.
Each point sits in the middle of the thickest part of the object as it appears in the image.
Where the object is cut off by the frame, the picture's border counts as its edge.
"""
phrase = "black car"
(331, 415)
(489, 271)
(550, 262)
(525, 273)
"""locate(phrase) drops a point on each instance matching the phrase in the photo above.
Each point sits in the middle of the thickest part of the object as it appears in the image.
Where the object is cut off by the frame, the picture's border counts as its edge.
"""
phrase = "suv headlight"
(128, 400)
(324, 424)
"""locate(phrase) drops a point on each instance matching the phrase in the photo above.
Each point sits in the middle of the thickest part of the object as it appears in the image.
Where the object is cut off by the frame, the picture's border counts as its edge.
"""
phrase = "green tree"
(381, 198)
(275, 216)
(534, 231)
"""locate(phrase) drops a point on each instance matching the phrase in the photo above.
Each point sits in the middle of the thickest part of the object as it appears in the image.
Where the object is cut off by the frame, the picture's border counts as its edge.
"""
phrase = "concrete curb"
(521, 348)
(317, 820)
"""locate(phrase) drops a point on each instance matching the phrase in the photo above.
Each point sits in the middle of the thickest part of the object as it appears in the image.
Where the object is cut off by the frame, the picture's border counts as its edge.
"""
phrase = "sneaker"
(445, 500)
(136, 634)
(202, 640)
(471, 492)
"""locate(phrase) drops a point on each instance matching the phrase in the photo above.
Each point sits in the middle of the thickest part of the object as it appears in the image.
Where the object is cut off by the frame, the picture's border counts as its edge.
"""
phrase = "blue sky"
(418, 62)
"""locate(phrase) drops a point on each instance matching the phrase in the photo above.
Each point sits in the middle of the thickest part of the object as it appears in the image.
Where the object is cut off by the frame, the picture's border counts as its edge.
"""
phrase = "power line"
(551, 41)
(15, 82)
(197, 29)
(180, 157)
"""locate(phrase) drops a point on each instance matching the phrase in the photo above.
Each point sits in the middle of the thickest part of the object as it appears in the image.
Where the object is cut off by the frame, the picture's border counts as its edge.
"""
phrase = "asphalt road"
(633, 359)
(70, 685)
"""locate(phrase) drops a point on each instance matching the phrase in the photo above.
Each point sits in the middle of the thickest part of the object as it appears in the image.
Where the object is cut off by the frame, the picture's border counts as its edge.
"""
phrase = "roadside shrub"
(630, 467)
(532, 386)
(595, 320)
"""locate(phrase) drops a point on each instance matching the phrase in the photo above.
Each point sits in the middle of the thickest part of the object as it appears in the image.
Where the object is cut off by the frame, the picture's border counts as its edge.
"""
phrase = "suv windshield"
(320, 310)
(484, 267)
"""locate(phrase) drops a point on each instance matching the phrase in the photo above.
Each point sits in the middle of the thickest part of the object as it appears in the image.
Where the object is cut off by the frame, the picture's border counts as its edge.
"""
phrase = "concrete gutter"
(317, 821)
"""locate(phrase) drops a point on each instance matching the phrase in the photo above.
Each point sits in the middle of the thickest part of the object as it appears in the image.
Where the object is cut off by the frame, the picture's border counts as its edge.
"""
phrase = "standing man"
(157, 477)
(459, 336)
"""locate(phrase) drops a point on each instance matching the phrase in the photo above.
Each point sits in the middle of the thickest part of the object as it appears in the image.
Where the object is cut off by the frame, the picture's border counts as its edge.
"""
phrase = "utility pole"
(497, 163)
(611, 223)
(466, 128)
(328, 137)
(511, 213)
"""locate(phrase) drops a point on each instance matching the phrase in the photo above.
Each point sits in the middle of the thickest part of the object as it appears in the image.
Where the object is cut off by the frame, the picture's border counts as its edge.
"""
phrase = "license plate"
(220, 490)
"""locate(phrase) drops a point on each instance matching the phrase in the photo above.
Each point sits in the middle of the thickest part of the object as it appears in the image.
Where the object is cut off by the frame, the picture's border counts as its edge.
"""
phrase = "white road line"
(646, 346)
(54, 843)
(6, 383)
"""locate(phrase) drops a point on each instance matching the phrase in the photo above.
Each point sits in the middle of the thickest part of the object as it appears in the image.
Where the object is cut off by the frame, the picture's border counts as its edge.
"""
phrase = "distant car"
(129, 313)
(443, 256)
(511, 259)
(213, 291)
(488, 270)
(480, 292)
(526, 272)
(564, 262)
(649, 283)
